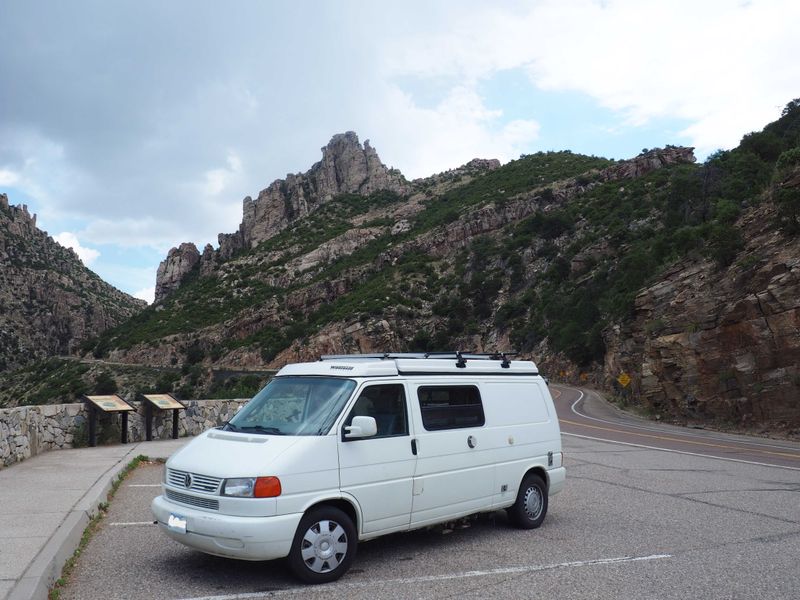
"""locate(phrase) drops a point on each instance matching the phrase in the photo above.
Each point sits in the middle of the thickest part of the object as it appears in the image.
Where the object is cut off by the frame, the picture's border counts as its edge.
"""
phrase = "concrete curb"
(46, 568)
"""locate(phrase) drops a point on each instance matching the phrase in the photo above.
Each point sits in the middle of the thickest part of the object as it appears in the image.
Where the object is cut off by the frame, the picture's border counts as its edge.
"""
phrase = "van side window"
(450, 407)
(387, 403)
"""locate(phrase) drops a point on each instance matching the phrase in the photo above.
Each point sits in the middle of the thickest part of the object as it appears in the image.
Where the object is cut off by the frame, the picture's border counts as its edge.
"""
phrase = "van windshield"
(294, 406)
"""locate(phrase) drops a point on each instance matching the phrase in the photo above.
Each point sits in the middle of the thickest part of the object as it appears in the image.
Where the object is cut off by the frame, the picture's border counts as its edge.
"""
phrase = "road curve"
(583, 413)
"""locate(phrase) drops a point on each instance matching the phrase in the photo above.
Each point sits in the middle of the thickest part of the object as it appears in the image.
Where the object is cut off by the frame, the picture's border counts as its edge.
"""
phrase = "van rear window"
(450, 407)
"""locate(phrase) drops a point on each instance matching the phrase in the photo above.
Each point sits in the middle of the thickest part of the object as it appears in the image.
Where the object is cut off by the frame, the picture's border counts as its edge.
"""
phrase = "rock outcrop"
(649, 161)
(720, 344)
(346, 167)
(179, 263)
(49, 301)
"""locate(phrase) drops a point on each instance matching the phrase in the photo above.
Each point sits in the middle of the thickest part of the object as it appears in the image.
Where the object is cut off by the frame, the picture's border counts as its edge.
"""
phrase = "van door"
(455, 461)
(377, 471)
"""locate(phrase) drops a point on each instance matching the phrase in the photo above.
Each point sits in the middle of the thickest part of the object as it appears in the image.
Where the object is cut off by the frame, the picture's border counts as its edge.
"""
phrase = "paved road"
(633, 522)
(583, 413)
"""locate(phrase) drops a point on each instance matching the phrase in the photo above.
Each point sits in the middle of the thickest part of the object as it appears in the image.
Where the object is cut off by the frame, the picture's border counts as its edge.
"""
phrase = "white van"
(350, 448)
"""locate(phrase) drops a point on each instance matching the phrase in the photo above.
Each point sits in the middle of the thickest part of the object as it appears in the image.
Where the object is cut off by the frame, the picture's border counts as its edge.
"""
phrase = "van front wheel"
(529, 510)
(324, 545)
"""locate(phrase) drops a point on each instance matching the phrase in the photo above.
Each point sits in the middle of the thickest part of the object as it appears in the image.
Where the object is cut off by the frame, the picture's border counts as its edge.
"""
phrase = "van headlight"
(252, 487)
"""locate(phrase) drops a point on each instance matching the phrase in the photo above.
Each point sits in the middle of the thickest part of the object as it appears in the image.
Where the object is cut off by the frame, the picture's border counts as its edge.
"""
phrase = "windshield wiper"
(230, 427)
(261, 429)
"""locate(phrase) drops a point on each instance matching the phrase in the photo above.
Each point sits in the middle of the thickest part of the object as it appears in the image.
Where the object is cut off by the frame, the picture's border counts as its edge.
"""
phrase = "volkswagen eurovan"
(349, 448)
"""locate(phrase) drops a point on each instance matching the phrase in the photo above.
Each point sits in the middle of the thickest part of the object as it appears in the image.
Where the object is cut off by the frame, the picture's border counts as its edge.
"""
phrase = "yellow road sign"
(624, 379)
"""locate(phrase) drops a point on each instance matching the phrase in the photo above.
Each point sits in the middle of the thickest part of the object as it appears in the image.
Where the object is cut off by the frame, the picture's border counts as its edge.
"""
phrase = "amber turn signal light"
(267, 487)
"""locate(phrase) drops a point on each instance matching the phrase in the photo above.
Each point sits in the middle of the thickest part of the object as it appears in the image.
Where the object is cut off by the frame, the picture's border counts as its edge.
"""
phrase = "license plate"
(176, 523)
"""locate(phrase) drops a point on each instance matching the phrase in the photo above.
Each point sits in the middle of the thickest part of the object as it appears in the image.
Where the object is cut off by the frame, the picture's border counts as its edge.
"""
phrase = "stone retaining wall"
(26, 431)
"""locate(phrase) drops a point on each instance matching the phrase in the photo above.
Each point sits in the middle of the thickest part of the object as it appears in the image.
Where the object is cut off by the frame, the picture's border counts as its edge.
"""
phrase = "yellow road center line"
(682, 440)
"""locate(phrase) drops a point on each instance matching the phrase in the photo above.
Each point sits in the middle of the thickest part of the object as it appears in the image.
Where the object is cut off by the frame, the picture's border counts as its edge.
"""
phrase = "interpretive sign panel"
(161, 402)
(112, 403)
(109, 404)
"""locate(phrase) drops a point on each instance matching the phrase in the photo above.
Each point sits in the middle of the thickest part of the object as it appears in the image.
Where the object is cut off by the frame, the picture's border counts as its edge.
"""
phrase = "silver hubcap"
(324, 546)
(533, 502)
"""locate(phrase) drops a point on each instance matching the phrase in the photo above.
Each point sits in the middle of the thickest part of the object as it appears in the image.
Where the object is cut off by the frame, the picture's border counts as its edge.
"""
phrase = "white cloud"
(218, 180)
(461, 127)
(147, 294)
(725, 67)
(70, 240)
(8, 177)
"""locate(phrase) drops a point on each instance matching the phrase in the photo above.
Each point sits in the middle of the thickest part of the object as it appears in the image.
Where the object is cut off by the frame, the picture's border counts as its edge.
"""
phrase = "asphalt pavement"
(45, 504)
(584, 413)
(632, 523)
(649, 511)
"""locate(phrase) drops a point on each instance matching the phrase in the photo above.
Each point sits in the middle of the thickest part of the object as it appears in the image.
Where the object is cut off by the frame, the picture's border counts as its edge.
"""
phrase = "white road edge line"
(444, 577)
(132, 524)
(736, 460)
(144, 485)
(708, 435)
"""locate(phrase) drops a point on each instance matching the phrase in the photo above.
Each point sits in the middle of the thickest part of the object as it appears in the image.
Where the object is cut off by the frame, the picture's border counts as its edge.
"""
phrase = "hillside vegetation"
(548, 255)
(49, 301)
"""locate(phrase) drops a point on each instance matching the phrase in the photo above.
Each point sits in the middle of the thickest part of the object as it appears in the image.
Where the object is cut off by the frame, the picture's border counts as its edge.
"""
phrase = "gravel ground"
(631, 523)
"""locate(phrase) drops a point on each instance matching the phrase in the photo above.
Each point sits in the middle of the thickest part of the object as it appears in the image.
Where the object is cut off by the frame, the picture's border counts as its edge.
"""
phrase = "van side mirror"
(361, 427)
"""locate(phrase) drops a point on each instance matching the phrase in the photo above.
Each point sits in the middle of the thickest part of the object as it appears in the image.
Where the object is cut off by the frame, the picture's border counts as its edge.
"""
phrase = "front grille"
(209, 503)
(199, 483)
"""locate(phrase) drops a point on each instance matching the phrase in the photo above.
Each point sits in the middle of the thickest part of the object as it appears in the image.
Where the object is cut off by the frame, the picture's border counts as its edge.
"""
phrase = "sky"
(129, 127)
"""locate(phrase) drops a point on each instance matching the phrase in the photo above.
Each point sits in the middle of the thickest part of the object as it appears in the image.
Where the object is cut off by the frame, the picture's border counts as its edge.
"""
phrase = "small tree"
(105, 384)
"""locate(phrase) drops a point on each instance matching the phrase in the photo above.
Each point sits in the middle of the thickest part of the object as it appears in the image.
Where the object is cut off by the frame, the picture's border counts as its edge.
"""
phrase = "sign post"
(161, 402)
(109, 405)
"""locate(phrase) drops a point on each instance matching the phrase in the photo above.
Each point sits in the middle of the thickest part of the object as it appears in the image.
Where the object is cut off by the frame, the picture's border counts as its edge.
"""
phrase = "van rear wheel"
(324, 545)
(529, 510)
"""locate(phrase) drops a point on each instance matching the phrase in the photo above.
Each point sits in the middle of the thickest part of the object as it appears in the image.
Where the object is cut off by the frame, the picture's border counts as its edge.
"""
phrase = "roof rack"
(460, 357)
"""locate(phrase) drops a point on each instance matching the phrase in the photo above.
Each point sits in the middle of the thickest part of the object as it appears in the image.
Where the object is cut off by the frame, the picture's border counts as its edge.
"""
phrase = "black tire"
(324, 545)
(529, 510)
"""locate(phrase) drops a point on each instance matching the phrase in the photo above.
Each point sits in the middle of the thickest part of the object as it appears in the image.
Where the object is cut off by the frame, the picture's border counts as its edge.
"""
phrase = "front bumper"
(246, 538)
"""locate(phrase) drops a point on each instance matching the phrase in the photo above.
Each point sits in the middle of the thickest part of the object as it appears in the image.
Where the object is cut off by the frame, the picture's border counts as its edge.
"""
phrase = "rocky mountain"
(346, 167)
(49, 301)
(682, 276)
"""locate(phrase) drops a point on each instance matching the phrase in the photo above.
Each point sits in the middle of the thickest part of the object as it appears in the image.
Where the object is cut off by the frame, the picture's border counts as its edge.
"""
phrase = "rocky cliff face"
(49, 302)
(709, 344)
(311, 285)
(179, 263)
(346, 167)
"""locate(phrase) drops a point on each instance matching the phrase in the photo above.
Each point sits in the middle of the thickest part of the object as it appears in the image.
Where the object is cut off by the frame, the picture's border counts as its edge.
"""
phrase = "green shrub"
(105, 384)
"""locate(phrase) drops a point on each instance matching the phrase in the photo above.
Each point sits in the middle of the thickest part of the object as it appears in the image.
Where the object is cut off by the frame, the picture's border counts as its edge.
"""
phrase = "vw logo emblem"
(187, 480)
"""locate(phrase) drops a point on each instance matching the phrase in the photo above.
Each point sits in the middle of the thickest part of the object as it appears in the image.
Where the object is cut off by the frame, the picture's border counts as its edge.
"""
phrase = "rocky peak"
(179, 262)
(346, 167)
(19, 221)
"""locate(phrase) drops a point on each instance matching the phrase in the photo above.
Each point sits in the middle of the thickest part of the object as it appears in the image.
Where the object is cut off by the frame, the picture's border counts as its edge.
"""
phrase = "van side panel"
(514, 403)
(451, 478)
(524, 429)
(378, 472)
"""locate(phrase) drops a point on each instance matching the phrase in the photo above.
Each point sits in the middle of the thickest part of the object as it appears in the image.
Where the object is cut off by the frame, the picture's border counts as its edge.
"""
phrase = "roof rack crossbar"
(461, 357)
